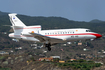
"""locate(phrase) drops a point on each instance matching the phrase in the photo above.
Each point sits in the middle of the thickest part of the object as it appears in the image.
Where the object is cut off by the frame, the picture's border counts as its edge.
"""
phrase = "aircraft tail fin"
(19, 27)
(16, 23)
(15, 20)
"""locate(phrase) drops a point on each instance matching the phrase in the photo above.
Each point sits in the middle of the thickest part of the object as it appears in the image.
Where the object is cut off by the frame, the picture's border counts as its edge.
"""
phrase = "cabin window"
(61, 33)
(65, 32)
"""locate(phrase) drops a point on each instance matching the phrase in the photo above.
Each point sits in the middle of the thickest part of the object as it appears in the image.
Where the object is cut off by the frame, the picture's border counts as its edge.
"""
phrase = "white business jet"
(48, 37)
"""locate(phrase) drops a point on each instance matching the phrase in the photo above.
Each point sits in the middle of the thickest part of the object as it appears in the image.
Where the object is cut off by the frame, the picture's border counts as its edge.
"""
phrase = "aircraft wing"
(43, 38)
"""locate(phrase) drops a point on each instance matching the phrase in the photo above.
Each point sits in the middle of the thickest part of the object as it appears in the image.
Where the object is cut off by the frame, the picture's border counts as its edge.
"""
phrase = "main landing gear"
(48, 46)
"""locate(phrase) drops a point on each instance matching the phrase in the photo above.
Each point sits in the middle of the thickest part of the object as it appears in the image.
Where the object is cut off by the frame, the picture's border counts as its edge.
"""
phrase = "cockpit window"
(88, 31)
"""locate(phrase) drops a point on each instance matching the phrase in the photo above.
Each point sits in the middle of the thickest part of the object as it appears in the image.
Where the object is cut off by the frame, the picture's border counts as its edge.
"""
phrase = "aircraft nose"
(98, 35)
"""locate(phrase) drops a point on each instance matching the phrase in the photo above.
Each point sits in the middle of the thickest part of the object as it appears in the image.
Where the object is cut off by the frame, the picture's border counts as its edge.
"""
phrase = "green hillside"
(52, 23)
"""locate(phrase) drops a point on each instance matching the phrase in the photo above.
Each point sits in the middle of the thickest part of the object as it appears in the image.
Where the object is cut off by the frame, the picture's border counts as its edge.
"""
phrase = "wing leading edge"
(44, 38)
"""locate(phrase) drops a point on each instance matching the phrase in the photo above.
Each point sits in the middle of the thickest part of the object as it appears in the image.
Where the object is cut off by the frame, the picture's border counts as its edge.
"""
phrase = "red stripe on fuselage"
(73, 34)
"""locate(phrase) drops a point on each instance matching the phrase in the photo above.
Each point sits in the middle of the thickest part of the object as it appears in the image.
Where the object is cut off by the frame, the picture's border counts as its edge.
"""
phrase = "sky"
(77, 10)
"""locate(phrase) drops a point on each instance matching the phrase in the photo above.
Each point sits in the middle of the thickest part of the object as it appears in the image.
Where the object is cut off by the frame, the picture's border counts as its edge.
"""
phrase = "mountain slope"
(51, 23)
(96, 21)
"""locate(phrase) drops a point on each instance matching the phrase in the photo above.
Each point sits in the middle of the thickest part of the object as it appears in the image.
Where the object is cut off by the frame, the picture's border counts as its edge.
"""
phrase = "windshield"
(88, 30)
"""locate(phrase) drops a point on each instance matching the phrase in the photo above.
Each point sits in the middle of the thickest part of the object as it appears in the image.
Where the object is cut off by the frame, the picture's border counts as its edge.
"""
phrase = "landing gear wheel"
(48, 46)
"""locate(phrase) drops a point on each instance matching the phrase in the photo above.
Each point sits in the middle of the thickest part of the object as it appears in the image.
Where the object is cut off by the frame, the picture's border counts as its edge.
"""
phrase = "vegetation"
(3, 58)
(55, 59)
(5, 69)
(79, 64)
